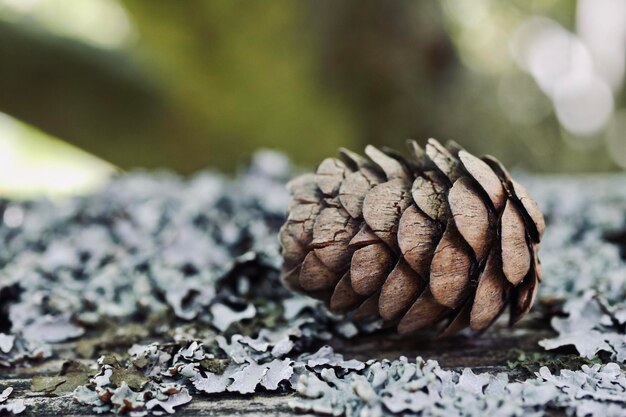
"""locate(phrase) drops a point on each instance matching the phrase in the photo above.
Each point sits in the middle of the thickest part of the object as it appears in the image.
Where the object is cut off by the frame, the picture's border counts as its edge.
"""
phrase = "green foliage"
(205, 83)
(245, 73)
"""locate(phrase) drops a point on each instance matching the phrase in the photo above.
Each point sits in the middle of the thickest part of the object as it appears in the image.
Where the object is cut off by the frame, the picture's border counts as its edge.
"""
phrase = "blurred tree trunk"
(391, 61)
(98, 100)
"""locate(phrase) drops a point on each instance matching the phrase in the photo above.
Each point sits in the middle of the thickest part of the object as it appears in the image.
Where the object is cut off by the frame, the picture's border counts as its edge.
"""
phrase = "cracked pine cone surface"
(440, 239)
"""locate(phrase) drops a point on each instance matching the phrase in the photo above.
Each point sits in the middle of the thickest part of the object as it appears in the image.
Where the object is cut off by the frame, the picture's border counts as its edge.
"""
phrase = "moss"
(526, 364)
(112, 337)
(216, 366)
(71, 375)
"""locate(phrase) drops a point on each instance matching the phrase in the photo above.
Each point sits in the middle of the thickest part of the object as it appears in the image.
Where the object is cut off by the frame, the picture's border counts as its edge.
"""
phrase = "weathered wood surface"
(490, 352)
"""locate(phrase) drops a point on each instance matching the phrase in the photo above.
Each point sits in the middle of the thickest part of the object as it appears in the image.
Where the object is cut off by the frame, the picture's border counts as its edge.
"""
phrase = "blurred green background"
(91, 86)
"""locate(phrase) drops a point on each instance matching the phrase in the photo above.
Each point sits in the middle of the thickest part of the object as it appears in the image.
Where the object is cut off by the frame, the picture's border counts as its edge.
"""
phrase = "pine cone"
(443, 236)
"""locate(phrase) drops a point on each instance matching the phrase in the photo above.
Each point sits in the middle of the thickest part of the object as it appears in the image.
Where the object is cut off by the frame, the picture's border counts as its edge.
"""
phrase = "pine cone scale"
(369, 268)
(332, 233)
(417, 237)
(471, 216)
(368, 308)
(485, 177)
(430, 198)
(425, 312)
(399, 290)
(443, 160)
(515, 251)
(392, 168)
(532, 210)
(450, 270)
(329, 176)
(447, 235)
(344, 298)
(352, 193)
(382, 207)
(460, 321)
(491, 294)
(523, 299)
(365, 236)
(315, 275)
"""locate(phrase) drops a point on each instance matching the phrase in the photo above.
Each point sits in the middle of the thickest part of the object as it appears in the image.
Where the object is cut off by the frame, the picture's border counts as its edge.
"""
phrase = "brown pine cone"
(443, 236)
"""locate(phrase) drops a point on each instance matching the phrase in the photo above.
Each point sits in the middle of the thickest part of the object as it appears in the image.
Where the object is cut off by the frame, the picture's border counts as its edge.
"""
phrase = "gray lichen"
(425, 389)
(163, 373)
(329, 384)
(590, 328)
(10, 406)
(145, 244)
(583, 261)
(173, 284)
